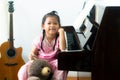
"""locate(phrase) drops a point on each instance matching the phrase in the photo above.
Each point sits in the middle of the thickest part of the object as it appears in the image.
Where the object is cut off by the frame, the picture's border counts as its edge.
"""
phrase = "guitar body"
(10, 62)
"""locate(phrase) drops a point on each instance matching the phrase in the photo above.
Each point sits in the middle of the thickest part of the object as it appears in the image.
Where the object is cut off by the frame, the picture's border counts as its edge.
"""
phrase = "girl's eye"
(49, 23)
(52, 23)
(55, 23)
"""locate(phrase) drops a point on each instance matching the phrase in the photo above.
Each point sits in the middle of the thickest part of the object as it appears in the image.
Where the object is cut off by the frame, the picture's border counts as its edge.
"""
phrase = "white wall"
(3, 21)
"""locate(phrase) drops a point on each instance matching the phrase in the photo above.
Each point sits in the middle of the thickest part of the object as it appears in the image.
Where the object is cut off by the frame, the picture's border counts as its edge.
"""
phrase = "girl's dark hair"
(54, 14)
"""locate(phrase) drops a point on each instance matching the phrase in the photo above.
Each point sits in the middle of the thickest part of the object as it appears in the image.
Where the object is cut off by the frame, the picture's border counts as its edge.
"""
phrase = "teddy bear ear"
(33, 78)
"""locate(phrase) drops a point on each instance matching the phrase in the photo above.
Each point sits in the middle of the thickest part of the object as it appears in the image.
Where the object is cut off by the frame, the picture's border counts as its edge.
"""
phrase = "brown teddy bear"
(39, 70)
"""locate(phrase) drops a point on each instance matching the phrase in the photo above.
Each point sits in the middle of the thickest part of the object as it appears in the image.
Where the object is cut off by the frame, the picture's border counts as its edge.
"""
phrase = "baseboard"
(80, 78)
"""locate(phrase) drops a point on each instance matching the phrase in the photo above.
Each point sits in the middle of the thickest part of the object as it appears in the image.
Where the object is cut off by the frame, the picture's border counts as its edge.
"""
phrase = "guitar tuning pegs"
(11, 8)
(10, 2)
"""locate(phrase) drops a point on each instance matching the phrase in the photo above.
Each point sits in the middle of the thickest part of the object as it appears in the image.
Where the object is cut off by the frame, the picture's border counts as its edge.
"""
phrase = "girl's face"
(51, 26)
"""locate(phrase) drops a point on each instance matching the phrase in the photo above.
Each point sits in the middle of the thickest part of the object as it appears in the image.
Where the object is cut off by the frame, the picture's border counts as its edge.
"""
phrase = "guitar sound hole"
(11, 52)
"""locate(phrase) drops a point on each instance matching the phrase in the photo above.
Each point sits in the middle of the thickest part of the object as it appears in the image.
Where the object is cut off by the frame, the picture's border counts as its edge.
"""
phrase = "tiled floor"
(81, 78)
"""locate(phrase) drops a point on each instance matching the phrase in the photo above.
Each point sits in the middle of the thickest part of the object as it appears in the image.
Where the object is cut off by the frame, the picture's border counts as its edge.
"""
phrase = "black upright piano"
(101, 53)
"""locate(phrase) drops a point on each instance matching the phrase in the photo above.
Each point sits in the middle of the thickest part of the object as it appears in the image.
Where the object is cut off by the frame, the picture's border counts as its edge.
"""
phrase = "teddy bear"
(39, 70)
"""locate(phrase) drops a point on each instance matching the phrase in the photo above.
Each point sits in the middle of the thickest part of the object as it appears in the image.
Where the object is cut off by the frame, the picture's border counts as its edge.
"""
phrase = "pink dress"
(48, 54)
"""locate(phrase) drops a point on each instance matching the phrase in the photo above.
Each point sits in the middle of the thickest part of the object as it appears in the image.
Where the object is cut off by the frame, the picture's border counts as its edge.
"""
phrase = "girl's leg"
(22, 73)
(58, 74)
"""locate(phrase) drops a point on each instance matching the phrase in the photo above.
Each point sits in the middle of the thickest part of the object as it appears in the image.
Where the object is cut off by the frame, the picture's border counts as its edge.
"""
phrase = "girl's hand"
(32, 56)
(61, 30)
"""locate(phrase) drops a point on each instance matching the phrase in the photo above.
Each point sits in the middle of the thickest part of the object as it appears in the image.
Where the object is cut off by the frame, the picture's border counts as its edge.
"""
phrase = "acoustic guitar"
(10, 57)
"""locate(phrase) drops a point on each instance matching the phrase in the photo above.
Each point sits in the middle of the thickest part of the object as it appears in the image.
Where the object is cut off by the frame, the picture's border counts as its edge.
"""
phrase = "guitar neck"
(11, 32)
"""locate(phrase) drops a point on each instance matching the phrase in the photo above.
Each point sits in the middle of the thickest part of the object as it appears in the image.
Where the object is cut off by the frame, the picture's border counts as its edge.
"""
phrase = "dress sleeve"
(37, 42)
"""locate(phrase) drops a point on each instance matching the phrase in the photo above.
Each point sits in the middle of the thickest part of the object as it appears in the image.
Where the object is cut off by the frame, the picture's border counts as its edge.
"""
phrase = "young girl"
(47, 46)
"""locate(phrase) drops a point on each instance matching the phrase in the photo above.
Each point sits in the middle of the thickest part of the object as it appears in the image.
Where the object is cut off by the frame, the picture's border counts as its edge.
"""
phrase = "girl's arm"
(33, 53)
(62, 41)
